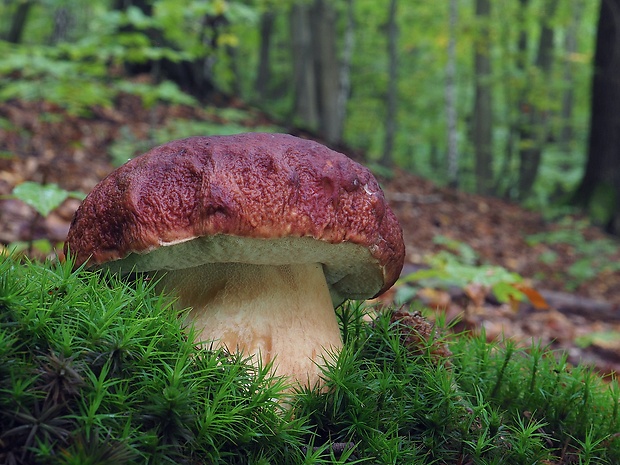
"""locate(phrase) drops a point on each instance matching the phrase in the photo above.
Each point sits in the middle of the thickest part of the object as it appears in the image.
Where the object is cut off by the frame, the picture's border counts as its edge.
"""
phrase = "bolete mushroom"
(261, 235)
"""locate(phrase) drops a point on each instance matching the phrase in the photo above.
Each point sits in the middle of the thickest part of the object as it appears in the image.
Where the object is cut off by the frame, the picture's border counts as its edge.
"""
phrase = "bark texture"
(599, 191)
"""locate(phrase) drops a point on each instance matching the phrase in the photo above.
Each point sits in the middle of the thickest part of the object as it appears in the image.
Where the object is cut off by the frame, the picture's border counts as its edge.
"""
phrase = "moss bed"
(94, 370)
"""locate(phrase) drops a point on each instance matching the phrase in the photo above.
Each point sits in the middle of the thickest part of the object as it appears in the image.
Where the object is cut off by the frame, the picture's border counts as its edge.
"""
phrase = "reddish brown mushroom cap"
(245, 195)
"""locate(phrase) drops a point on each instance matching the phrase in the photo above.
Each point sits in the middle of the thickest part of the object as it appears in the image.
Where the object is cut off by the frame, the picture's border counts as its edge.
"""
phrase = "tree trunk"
(482, 130)
(304, 79)
(568, 98)
(599, 190)
(235, 80)
(507, 180)
(327, 69)
(345, 66)
(320, 78)
(263, 74)
(18, 22)
(387, 158)
(63, 22)
(534, 129)
(453, 154)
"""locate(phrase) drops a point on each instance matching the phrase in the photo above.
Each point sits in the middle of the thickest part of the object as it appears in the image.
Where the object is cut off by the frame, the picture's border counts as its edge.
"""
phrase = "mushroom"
(259, 235)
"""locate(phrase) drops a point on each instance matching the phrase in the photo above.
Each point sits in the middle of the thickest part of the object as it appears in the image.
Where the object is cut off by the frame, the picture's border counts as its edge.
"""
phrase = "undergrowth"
(97, 371)
(591, 256)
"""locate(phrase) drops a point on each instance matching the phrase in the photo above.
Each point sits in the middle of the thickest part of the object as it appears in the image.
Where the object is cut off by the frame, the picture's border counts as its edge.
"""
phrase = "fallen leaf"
(537, 300)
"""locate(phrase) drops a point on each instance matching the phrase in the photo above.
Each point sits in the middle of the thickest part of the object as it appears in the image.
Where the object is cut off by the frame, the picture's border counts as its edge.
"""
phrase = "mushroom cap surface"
(258, 198)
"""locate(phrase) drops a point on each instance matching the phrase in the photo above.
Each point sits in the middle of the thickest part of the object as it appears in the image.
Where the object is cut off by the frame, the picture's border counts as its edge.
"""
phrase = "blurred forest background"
(490, 96)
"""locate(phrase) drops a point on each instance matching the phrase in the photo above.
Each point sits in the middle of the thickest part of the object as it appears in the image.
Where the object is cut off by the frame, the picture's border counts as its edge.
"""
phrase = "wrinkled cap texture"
(252, 198)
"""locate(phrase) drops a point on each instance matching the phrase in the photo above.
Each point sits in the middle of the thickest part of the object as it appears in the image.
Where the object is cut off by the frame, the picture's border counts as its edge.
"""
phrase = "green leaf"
(43, 198)
(583, 269)
(467, 254)
(606, 339)
(431, 273)
(504, 292)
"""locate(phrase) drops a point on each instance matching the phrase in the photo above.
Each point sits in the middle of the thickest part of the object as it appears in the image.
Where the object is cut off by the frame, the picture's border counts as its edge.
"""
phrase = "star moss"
(94, 370)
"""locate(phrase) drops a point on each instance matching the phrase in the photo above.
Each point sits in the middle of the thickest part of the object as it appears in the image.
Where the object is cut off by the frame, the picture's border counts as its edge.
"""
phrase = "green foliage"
(53, 74)
(47, 73)
(34, 71)
(180, 128)
(603, 203)
(558, 176)
(100, 41)
(95, 370)
(35, 247)
(603, 339)
(127, 146)
(151, 94)
(229, 122)
(591, 257)
(461, 269)
(44, 198)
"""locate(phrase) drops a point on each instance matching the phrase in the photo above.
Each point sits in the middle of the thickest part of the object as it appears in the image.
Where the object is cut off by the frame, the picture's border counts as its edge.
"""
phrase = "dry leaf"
(537, 300)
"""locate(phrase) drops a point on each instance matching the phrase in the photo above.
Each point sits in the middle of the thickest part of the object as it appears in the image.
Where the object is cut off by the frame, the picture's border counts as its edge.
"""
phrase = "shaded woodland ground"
(41, 143)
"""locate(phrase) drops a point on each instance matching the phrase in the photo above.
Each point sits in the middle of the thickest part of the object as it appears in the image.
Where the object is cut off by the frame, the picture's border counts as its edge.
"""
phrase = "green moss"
(97, 371)
(94, 368)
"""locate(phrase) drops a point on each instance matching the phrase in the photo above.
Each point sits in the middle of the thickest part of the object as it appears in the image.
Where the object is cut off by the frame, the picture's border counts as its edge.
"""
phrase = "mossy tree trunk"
(599, 190)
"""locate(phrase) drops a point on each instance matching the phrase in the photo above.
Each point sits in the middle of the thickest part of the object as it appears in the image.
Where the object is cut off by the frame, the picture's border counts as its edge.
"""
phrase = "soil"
(581, 315)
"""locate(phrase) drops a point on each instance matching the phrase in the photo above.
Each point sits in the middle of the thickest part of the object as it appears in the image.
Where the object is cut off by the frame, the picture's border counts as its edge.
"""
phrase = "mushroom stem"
(282, 313)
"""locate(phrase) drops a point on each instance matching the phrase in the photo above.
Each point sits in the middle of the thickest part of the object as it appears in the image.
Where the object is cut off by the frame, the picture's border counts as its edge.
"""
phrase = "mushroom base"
(278, 313)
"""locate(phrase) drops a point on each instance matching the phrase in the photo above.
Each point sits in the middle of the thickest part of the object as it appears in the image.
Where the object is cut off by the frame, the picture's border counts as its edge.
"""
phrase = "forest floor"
(570, 272)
